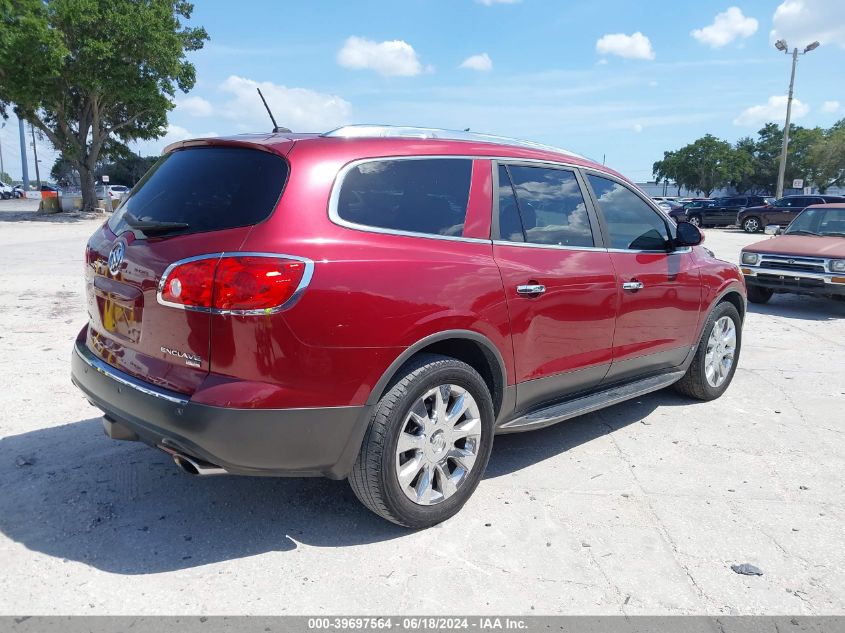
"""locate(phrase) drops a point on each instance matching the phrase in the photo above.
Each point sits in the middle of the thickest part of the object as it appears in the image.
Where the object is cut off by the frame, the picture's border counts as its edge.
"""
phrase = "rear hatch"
(194, 201)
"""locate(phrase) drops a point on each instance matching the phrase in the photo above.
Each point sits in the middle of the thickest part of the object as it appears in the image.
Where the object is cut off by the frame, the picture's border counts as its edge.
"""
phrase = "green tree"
(826, 159)
(704, 165)
(4, 177)
(94, 74)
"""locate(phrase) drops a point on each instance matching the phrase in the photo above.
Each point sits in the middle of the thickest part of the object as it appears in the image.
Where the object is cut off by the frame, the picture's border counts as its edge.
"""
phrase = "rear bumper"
(272, 442)
(793, 281)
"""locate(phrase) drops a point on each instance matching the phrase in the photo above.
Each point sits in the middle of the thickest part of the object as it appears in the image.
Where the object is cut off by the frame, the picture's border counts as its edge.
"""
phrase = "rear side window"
(207, 188)
(632, 224)
(427, 195)
(550, 205)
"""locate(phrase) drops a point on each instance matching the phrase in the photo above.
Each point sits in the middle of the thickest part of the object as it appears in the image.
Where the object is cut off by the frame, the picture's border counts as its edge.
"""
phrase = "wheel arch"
(473, 348)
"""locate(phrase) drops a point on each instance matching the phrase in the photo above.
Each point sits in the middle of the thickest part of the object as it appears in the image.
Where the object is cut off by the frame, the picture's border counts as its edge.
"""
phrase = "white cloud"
(392, 57)
(830, 106)
(637, 127)
(636, 46)
(195, 106)
(773, 110)
(299, 109)
(801, 22)
(727, 26)
(481, 62)
(490, 3)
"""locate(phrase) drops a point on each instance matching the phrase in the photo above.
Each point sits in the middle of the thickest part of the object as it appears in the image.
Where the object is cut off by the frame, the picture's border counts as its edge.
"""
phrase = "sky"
(615, 80)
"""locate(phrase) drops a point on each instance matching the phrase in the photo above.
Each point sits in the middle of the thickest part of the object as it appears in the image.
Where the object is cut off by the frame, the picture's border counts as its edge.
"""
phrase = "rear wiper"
(157, 228)
(153, 227)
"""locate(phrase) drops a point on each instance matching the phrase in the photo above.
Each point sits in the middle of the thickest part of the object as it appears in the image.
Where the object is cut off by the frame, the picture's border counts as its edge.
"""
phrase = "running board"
(587, 404)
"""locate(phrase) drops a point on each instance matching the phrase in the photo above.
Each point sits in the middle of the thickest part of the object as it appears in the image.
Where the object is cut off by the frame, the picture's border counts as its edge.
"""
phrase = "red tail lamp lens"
(191, 284)
(255, 283)
(234, 283)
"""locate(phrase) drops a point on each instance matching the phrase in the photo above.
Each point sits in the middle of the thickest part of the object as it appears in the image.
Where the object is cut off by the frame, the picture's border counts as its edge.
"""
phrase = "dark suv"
(376, 303)
(780, 212)
(722, 211)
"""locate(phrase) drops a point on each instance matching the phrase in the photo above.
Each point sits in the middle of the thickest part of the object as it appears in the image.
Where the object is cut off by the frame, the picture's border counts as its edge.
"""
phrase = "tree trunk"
(89, 191)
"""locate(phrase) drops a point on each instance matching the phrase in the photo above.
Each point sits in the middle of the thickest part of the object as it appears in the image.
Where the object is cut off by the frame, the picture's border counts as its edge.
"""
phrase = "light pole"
(781, 46)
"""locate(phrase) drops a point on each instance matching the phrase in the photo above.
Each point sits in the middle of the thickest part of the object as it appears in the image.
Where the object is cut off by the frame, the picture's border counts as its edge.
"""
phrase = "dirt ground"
(641, 508)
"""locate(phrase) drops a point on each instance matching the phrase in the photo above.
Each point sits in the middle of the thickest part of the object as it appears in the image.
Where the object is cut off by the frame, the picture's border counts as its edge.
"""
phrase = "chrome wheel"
(695, 220)
(438, 444)
(751, 225)
(721, 348)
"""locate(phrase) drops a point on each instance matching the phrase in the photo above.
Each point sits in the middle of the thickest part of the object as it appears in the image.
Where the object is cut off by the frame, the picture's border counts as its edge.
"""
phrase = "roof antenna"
(276, 128)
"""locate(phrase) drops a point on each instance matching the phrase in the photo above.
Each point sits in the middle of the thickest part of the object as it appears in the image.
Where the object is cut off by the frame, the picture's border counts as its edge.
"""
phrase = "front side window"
(427, 195)
(550, 205)
(631, 223)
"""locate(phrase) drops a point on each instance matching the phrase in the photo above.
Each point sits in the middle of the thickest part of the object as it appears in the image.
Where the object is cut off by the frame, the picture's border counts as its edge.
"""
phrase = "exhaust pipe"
(193, 465)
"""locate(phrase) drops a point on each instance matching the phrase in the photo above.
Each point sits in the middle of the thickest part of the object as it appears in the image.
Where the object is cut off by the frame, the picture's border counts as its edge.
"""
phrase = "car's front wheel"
(751, 225)
(714, 363)
(427, 445)
(695, 220)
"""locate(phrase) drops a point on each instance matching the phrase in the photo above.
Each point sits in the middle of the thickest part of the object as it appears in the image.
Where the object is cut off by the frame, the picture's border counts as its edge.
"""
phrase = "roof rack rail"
(397, 131)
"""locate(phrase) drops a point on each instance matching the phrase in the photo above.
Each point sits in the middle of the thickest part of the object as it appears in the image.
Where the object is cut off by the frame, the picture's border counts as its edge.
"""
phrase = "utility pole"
(2, 167)
(24, 170)
(35, 154)
(781, 46)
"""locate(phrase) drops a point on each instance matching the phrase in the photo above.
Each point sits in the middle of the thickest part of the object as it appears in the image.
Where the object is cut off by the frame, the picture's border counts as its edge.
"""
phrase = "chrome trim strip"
(559, 247)
(792, 274)
(677, 251)
(303, 284)
(125, 379)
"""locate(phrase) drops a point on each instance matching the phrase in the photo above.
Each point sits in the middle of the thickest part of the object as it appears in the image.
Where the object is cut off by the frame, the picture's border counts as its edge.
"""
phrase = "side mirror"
(688, 235)
(772, 229)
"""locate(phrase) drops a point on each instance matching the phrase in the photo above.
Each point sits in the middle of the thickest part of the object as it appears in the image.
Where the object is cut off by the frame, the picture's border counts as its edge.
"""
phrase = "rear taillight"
(251, 283)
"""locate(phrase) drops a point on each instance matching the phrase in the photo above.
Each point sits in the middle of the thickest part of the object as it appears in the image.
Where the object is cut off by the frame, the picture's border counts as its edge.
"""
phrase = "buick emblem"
(791, 262)
(116, 257)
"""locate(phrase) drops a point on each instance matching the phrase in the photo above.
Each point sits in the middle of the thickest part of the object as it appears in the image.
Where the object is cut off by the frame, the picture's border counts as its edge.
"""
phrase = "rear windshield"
(204, 189)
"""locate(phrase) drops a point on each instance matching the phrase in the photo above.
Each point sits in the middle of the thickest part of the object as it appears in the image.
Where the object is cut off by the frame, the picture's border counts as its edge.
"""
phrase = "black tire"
(694, 383)
(695, 220)
(752, 224)
(756, 294)
(373, 478)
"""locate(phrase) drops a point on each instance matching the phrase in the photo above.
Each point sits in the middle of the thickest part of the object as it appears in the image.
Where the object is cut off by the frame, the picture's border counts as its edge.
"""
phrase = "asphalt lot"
(641, 508)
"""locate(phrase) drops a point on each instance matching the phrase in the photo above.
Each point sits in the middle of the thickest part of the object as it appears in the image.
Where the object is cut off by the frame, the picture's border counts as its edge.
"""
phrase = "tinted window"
(208, 188)
(733, 202)
(551, 206)
(423, 196)
(510, 226)
(632, 224)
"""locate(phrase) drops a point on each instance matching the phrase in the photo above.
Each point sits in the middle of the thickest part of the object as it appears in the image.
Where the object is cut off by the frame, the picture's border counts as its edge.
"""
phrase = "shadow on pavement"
(803, 307)
(124, 508)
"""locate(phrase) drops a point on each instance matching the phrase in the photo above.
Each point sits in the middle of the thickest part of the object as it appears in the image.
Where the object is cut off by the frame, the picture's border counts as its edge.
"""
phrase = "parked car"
(6, 191)
(18, 191)
(678, 210)
(807, 258)
(780, 212)
(722, 211)
(376, 303)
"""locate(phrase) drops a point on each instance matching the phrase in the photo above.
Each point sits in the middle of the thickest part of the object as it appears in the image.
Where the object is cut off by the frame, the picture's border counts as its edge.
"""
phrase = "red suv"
(376, 303)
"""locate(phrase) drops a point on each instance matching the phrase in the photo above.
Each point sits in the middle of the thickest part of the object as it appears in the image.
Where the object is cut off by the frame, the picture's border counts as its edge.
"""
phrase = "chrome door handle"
(633, 285)
(531, 289)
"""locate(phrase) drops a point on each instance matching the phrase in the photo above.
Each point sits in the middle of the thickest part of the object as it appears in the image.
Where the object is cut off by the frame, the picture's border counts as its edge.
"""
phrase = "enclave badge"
(190, 359)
